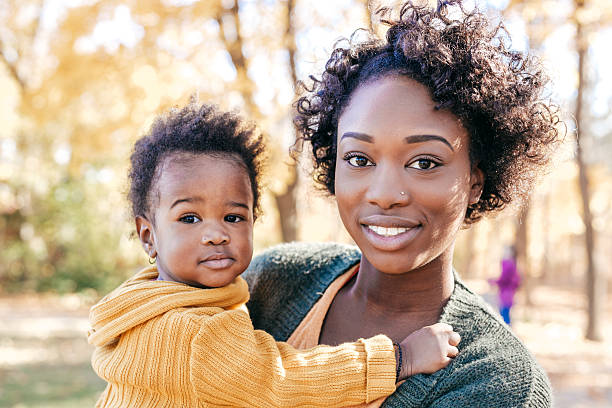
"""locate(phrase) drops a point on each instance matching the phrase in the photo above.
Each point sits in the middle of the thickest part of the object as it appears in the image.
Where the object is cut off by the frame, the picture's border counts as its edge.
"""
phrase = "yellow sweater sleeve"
(233, 364)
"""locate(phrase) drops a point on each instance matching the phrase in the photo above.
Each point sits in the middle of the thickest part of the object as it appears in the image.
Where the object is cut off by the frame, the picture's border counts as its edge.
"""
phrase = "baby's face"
(203, 228)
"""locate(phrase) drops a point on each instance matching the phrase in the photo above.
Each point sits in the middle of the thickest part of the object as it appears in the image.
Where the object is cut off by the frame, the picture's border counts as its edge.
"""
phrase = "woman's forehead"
(398, 107)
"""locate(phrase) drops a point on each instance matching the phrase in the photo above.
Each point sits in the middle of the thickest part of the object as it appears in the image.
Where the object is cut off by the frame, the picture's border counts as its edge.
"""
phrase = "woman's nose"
(215, 236)
(388, 188)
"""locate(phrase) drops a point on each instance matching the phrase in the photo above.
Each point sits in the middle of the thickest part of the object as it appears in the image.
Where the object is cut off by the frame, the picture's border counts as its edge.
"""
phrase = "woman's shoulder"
(286, 280)
(482, 329)
(493, 368)
(297, 256)
(294, 263)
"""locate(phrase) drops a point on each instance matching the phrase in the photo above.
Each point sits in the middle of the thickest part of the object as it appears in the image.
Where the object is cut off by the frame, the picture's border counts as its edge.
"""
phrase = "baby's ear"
(144, 230)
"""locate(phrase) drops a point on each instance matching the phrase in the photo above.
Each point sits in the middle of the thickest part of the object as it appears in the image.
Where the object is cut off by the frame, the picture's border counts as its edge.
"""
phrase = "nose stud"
(402, 192)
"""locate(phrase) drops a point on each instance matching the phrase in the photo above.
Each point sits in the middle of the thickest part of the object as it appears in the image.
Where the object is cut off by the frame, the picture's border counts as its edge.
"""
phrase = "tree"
(594, 283)
(87, 81)
(585, 17)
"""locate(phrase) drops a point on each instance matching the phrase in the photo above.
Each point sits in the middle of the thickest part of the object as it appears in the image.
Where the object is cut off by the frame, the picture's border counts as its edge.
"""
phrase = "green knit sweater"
(493, 368)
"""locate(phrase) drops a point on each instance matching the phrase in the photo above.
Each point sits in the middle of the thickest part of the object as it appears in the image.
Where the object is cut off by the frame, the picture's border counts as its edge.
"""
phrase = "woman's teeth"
(387, 232)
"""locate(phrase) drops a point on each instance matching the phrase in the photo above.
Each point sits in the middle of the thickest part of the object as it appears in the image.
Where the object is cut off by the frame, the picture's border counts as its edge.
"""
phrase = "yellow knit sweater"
(165, 344)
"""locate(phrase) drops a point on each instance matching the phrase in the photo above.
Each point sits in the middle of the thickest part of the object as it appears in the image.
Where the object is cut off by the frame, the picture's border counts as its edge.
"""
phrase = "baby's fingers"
(452, 351)
(442, 327)
(454, 338)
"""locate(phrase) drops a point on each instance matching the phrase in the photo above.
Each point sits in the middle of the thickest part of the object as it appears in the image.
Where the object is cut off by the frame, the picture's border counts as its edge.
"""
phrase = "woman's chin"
(399, 264)
(388, 263)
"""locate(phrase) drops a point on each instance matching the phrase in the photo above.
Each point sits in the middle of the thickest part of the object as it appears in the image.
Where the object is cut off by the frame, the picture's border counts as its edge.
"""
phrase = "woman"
(416, 137)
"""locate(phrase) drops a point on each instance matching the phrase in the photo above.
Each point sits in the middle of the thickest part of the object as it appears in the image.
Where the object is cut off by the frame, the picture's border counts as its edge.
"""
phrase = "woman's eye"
(423, 164)
(359, 161)
(233, 218)
(189, 219)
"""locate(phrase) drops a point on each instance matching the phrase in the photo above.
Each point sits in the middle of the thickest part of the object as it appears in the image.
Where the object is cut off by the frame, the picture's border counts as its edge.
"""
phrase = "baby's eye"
(423, 164)
(189, 219)
(233, 218)
(359, 161)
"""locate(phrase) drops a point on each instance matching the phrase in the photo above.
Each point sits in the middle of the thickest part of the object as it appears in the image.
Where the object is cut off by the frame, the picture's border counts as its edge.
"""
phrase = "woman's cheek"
(448, 204)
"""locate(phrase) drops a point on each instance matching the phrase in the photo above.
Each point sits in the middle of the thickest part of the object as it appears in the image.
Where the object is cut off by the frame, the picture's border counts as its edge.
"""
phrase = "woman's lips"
(388, 221)
(218, 261)
(389, 233)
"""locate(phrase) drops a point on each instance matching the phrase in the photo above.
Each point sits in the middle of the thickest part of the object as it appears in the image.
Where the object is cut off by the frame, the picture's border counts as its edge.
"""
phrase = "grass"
(49, 386)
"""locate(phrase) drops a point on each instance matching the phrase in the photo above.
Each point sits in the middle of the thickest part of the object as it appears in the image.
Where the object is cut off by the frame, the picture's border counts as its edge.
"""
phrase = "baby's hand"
(428, 349)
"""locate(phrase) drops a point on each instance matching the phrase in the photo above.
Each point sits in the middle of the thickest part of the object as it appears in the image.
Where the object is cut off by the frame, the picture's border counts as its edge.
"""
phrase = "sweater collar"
(142, 298)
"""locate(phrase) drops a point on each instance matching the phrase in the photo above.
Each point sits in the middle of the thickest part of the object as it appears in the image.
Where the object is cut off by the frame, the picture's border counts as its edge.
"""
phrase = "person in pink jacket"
(507, 283)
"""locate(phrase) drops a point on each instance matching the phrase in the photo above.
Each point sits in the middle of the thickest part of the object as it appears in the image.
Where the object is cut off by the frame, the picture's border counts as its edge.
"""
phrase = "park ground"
(44, 356)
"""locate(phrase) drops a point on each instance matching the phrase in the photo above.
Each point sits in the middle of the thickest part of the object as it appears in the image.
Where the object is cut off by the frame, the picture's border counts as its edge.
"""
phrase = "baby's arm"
(235, 365)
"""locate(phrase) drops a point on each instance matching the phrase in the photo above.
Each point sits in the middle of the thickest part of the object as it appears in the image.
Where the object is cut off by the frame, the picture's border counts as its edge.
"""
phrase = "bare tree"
(594, 281)
(286, 201)
(522, 255)
(231, 35)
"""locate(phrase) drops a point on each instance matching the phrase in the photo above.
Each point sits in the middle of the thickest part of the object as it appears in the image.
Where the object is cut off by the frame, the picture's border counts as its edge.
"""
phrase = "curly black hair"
(193, 129)
(470, 70)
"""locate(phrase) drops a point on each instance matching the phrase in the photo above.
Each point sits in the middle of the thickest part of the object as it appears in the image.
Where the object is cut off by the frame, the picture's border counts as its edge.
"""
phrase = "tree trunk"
(520, 245)
(285, 202)
(545, 265)
(595, 288)
(468, 260)
(234, 45)
(368, 10)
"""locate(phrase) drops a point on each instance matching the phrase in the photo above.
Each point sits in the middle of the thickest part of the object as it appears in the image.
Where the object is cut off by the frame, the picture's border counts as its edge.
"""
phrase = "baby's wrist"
(403, 363)
(398, 360)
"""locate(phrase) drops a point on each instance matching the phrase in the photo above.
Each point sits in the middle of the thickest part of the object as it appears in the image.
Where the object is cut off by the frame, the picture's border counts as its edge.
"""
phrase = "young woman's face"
(203, 227)
(403, 175)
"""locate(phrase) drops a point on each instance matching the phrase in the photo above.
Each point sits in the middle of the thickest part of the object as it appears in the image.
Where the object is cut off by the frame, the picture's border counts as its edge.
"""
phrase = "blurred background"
(81, 80)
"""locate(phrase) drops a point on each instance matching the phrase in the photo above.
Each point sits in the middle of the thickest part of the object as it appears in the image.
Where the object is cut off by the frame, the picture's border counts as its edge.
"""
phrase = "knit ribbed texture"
(493, 368)
(165, 344)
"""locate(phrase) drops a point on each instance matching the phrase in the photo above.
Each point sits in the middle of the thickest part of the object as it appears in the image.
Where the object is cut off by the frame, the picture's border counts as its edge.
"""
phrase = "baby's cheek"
(181, 248)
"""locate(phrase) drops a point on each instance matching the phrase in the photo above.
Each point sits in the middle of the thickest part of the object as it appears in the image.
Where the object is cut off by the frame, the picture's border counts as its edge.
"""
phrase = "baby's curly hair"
(193, 129)
(470, 70)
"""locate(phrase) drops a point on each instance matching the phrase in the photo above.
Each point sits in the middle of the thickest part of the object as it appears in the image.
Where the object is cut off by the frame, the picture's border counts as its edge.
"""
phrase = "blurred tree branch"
(12, 69)
(234, 46)
(286, 201)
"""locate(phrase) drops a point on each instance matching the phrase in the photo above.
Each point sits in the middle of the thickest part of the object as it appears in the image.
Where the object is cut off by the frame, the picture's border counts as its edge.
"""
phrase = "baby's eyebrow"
(181, 200)
(186, 200)
(239, 204)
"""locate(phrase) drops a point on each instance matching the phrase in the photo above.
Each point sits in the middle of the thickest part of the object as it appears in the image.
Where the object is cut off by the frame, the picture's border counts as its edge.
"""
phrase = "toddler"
(178, 334)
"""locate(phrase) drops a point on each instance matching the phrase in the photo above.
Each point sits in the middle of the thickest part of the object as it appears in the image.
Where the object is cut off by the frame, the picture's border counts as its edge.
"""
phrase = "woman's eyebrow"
(424, 138)
(359, 136)
(408, 139)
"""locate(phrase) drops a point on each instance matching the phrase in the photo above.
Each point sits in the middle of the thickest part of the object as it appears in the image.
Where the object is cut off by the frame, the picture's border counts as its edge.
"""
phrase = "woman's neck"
(422, 291)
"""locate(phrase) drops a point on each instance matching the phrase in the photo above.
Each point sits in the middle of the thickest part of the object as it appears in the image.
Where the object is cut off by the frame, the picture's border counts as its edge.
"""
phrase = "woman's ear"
(476, 184)
(144, 229)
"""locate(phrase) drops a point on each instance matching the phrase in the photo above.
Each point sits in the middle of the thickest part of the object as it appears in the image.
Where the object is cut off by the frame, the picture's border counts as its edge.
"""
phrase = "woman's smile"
(390, 239)
(389, 233)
